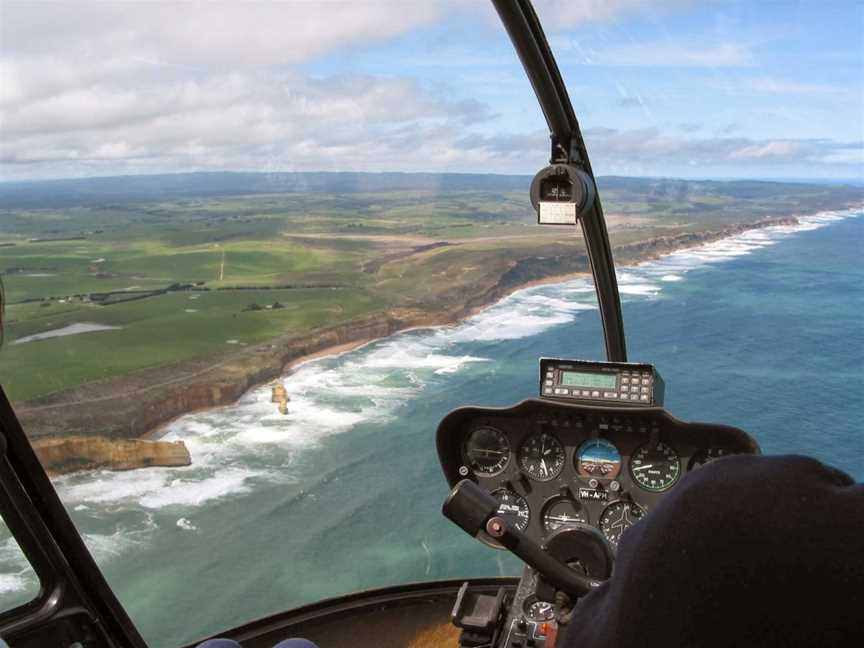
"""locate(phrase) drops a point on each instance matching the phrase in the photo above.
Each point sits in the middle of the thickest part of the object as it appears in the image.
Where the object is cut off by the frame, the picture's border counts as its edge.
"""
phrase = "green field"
(208, 271)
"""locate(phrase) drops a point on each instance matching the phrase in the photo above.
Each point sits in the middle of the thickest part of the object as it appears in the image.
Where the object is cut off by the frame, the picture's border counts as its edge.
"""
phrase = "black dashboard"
(553, 464)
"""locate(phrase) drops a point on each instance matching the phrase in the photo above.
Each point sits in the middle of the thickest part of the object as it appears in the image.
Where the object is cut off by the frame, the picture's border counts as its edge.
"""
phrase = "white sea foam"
(106, 547)
(17, 582)
(186, 525)
(195, 491)
(334, 395)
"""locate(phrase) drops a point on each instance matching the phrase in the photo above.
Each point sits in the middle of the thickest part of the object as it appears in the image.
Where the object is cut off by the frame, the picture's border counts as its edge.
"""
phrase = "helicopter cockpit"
(556, 479)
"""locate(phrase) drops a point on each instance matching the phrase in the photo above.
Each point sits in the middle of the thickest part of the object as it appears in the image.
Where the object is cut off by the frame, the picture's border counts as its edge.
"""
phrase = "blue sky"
(690, 89)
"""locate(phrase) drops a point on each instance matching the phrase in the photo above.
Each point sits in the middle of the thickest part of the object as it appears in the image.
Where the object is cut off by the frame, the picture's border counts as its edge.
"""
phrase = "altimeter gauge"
(541, 456)
(487, 451)
(655, 466)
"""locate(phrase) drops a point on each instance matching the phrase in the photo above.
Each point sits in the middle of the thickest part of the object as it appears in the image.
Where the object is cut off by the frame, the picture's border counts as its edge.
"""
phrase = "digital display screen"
(580, 379)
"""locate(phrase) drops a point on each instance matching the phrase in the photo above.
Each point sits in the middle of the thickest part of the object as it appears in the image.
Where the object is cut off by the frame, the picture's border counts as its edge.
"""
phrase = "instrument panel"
(551, 465)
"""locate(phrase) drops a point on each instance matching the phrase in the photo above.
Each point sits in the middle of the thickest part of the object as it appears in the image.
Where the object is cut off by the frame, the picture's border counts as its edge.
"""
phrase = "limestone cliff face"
(100, 424)
(660, 245)
(68, 454)
(138, 403)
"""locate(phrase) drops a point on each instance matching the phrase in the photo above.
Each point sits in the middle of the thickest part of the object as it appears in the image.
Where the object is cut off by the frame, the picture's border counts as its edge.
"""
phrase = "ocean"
(764, 330)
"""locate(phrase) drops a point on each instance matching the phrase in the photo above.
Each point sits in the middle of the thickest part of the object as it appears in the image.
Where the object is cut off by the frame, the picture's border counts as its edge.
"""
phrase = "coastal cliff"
(105, 424)
(69, 454)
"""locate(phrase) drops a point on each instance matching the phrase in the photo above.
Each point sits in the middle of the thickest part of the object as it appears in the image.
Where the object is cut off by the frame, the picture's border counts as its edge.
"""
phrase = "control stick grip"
(469, 507)
(473, 510)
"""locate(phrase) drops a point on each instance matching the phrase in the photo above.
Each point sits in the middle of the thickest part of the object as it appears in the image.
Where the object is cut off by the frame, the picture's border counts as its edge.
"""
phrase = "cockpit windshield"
(252, 253)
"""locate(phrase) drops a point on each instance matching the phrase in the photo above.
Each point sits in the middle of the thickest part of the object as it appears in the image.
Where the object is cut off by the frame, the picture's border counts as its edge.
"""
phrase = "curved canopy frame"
(568, 147)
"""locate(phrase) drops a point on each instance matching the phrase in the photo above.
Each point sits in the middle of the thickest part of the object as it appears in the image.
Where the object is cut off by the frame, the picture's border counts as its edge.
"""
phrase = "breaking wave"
(238, 447)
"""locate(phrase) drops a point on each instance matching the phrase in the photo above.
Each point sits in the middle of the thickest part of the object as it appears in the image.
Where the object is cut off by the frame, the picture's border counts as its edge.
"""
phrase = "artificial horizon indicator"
(598, 459)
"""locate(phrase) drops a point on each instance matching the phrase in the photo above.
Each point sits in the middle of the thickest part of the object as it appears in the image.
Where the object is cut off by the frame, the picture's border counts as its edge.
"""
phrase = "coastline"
(147, 414)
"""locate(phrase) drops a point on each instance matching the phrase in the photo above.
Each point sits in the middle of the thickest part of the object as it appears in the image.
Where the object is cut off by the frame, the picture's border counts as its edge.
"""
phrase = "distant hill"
(88, 191)
(101, 190)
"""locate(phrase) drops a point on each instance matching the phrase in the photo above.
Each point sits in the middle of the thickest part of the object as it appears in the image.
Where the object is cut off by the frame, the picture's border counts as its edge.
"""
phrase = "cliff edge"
(68, 454)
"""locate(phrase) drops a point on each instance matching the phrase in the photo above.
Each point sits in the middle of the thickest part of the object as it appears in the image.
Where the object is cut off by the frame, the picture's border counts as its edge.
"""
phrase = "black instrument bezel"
(572, 424)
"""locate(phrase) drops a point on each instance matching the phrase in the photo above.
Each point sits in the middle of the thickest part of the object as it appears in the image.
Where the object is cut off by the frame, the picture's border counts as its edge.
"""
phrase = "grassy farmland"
(203, 276)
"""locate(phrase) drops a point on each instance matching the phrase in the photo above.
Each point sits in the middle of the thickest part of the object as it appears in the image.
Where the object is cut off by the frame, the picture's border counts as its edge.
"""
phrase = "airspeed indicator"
(655, 466)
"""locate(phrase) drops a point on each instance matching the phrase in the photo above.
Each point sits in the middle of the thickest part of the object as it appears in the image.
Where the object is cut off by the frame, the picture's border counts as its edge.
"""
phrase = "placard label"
(557, 213)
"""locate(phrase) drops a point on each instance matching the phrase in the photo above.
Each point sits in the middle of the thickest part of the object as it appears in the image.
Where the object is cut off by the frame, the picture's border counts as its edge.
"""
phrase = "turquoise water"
(764, 331)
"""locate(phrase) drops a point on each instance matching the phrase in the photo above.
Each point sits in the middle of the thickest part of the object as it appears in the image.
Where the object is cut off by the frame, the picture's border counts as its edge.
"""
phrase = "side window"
(18, 582)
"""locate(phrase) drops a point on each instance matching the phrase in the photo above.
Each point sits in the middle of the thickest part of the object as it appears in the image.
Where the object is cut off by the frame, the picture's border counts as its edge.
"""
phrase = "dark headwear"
(746, 551)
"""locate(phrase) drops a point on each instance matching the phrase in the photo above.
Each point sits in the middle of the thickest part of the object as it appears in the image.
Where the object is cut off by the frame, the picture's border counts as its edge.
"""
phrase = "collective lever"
(474, 510)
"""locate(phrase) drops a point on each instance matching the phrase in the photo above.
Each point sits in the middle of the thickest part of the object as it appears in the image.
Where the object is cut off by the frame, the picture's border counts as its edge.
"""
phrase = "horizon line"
(706, 178)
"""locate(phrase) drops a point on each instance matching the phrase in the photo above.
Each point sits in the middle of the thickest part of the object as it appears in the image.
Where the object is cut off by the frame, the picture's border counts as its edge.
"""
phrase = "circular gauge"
(487, 451)
(617, 517)
(538, 610)
(513, 508)
(655, 466)
(598, 458)
(708, 455)
(541, 456)
(561, 512)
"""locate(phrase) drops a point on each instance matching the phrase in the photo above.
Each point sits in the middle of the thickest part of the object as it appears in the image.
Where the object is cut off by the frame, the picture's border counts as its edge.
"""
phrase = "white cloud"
(773, 149)
(195, 33)
(564, 14)
(671, 54)
(648, 150)
(278, 111)
(91, 88)
(158, 86)
(746, 87)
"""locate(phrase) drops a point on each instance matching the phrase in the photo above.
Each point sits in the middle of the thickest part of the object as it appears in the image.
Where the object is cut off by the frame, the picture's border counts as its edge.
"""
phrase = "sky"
(678, 88)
